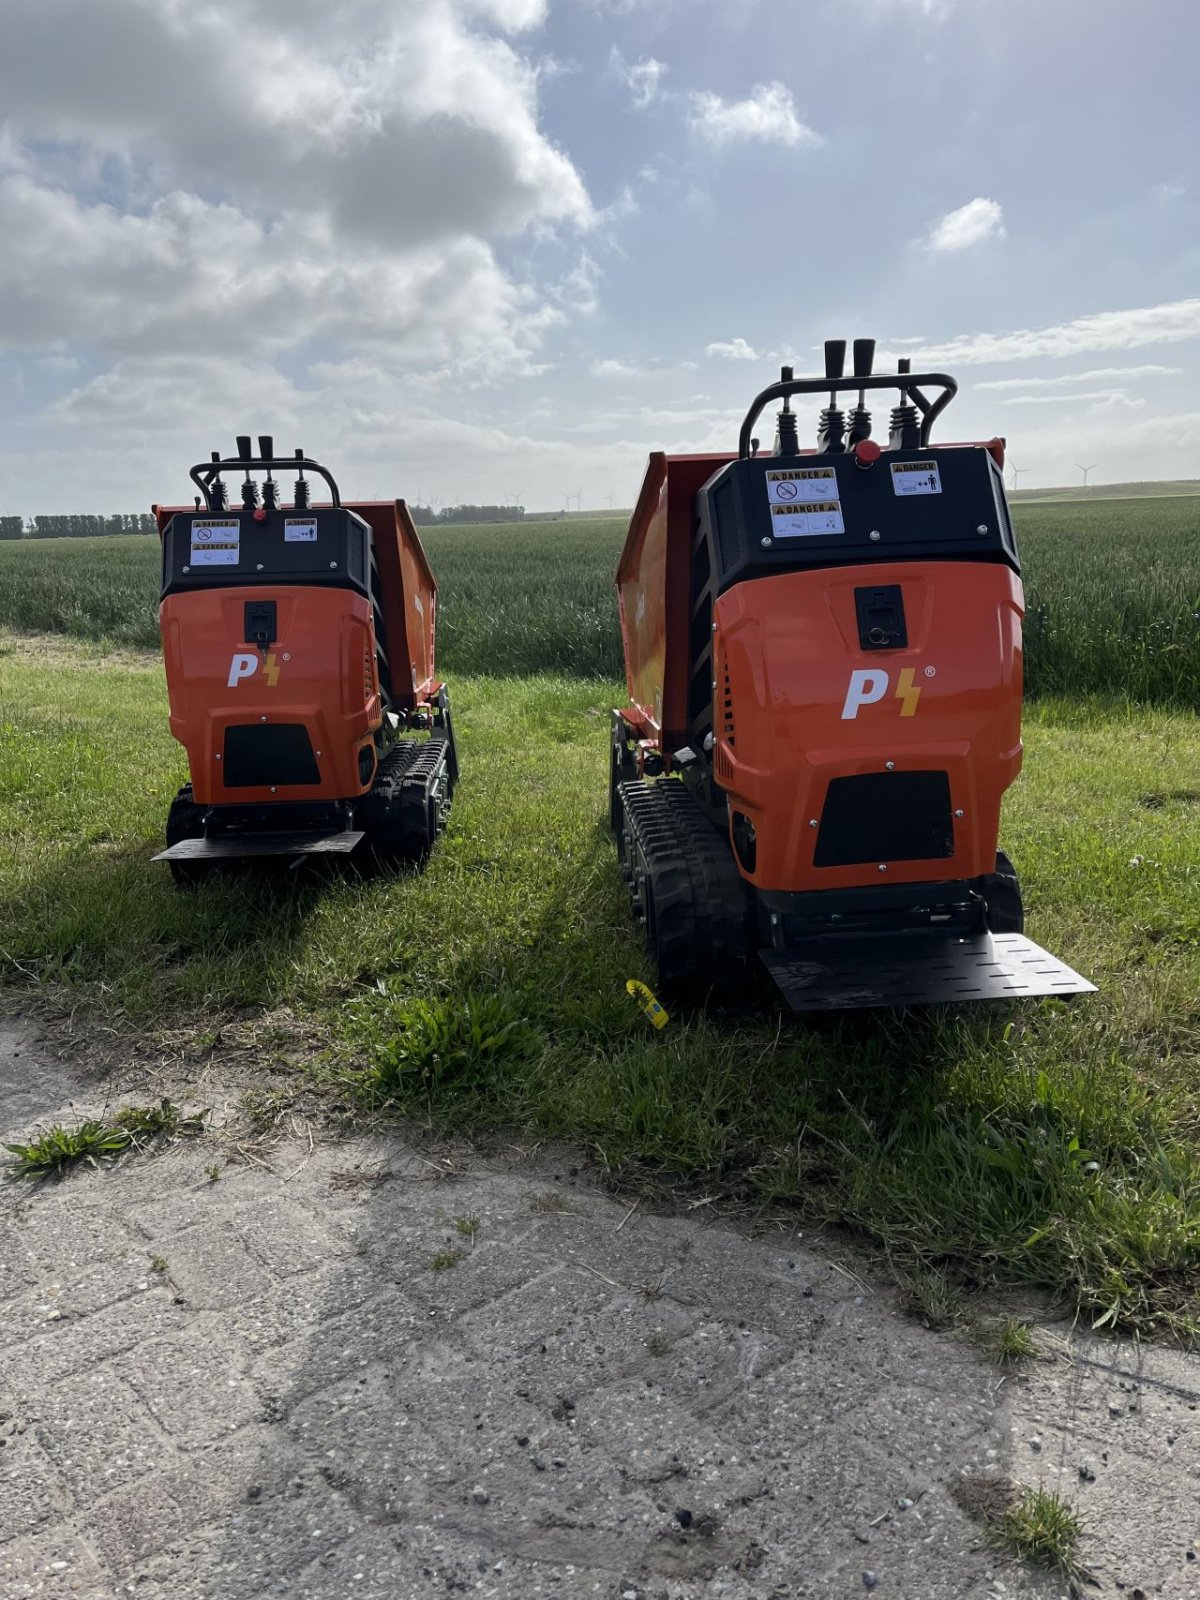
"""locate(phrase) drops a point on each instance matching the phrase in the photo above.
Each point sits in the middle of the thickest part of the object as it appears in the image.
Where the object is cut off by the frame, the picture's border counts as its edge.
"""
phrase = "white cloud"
(768, 114)
(732, 350)
(1128, 374)
(1170, 323)
(1118, 397)
(617, 369)
(971, 224)
(643, 78)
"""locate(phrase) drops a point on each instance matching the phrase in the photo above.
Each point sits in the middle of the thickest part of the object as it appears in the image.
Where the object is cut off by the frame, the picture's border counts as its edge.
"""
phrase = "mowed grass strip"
(1112, 589)
(1048, 1144)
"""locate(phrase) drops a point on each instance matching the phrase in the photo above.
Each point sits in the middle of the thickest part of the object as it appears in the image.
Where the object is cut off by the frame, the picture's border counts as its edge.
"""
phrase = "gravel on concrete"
(584, 1399)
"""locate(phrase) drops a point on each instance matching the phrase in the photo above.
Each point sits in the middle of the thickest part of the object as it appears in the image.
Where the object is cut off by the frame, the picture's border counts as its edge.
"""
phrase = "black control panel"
(767, 514)
(213, 549)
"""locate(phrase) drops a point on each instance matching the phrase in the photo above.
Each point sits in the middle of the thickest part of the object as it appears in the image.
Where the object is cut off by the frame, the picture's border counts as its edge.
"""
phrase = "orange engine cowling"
(846, 768)
(294, 722)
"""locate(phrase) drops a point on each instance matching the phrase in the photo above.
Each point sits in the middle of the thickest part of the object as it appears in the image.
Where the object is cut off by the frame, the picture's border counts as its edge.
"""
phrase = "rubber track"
(701, 933)
(396, 815)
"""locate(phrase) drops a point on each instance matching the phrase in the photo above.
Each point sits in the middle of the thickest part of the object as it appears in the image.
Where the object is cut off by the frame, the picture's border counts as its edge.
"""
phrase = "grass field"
(1047, 1144)
(1112, 588)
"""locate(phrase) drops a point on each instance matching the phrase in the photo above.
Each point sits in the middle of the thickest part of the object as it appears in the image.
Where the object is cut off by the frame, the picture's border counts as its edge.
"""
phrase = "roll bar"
(206, 474)
(905, 382)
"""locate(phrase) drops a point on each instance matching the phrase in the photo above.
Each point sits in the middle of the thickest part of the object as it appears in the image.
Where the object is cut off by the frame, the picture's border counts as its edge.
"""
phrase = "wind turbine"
(1086, 470)
(610, 497)
(1016, 474)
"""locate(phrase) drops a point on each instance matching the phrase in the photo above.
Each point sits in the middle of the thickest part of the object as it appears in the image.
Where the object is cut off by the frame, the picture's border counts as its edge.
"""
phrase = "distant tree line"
(76, 526)
(427, 517)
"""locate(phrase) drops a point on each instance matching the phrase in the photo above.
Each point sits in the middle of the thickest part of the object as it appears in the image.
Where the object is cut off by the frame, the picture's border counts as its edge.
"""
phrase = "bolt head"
(875, 536)
(187, 569)
(812, 822)
(259, 567)
(982, 528)
(262, 719)
(273, 789)
(333, 563)
(960, 813)
(766, 542)
(216, 758)
(890, 765)
(882, 868)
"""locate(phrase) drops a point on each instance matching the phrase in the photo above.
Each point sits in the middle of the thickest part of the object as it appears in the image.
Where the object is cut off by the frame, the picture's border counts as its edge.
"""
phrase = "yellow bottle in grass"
(649, 1003)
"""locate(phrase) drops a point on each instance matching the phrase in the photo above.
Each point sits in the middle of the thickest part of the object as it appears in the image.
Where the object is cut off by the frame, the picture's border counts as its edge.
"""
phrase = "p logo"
(868, 685)
(245, 664)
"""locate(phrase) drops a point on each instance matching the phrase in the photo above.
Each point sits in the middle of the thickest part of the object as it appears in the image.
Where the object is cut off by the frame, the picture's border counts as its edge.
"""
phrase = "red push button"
(866, 453)
(260, 512)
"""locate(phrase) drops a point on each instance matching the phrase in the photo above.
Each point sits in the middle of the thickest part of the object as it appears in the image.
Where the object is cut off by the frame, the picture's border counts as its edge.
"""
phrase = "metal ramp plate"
(242, 847)
(853, 973)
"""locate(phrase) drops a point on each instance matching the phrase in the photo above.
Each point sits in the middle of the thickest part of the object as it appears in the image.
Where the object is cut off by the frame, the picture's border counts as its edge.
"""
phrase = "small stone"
(1115, 1408)
(870, 1578)
(480, 1495)
(904, 1503)
(1035, 1444)
(683, 1517)
(1087, 1472)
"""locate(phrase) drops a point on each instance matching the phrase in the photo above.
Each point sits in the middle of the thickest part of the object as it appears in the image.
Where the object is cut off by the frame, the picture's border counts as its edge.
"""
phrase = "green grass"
(1043, 1144)
(1042, 1527)
(1112, 588)
(59, 1150)
(1013, 1342)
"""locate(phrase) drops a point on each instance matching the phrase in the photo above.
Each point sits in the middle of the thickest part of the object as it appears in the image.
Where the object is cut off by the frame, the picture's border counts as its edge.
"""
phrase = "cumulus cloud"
(971, 224)
(768, 114)
(732, 350)
(1170, 323)
(346, 175)
(643, 78)
(253, 203)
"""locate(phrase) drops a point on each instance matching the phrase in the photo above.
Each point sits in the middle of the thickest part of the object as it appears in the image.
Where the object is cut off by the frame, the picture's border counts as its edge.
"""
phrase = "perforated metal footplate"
(852, 973)
(240, 847)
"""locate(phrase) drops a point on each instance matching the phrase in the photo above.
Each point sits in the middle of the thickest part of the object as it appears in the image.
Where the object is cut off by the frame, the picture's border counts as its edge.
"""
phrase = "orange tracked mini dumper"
(823, 658)
(298, 642)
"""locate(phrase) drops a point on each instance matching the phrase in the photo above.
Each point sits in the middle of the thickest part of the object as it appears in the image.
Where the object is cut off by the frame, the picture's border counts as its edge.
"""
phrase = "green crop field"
(1047, 1144)
(1112, 588)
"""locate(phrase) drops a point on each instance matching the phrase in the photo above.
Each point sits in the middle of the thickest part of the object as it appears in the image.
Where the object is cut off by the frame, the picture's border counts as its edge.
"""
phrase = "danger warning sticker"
(791, 522)
(215, 543)
(299, 530)
(916, 477)
(802, 486)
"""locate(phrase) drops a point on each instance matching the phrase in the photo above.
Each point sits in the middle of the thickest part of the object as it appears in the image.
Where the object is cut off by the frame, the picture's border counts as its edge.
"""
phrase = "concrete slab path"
(355, 1369)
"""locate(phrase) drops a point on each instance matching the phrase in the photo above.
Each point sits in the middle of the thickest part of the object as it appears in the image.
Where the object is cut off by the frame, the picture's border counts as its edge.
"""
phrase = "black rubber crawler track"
(406, 809)
(689, 895)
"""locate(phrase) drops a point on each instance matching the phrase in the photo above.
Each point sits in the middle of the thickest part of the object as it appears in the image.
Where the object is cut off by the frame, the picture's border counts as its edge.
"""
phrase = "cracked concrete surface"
(589, 1401)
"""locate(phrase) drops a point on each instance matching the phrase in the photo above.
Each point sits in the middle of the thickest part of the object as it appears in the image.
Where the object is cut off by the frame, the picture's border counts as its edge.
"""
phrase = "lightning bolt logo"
(271, 673)
(907, 693)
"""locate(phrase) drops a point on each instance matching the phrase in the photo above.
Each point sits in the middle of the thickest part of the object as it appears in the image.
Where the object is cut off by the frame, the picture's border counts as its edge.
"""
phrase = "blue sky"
(478, 249)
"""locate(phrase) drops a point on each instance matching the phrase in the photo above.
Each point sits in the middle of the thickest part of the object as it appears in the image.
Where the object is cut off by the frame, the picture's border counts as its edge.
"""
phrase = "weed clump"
(450, 1043)
(1042, 1527)
(60, 1150)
